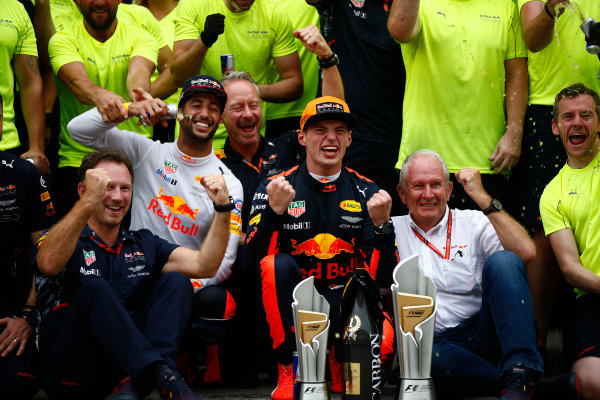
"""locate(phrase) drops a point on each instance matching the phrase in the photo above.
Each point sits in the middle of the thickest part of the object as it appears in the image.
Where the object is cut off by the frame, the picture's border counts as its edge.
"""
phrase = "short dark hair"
(92, 159)
(572, 91)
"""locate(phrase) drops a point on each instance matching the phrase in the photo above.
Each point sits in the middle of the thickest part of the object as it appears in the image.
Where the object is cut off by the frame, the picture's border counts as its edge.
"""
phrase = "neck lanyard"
(105, 247)
(257, 169)
(448, 238)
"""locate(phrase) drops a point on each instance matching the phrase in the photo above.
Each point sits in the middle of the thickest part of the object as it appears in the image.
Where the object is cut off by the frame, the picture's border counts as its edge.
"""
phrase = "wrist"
(328, 62)
(548, 12)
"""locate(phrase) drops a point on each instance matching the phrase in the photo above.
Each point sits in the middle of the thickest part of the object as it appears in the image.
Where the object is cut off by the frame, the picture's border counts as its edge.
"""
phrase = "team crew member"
(98, 61)
(258, 34)
(115, 302)
(569, 207)
(25, 212)
(322, 220)
(19, 59)
(169, 198)
(484, 341)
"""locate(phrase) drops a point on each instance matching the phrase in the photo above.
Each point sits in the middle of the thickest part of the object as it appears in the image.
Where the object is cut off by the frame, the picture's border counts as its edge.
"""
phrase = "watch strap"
(224, 207)
(329, 61)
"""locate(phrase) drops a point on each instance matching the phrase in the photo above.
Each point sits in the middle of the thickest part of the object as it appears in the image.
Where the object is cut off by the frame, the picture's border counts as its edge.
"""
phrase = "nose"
(427, 191)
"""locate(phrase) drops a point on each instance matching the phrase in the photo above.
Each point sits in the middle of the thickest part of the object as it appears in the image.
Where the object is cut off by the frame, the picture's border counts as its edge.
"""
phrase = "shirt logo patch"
(297, 208)
(90, 257)
(45, 196)
(170, 167)
(351, 205)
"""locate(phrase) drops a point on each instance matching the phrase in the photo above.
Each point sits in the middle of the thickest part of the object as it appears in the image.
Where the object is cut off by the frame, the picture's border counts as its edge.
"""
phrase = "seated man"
(114, 302)
(485, 337)
(317, 219)
(569, 209)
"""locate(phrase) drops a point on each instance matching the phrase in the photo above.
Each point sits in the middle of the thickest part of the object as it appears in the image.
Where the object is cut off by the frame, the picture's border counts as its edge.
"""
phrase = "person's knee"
(177, 281)
(281, 265)
(214, 302)
(503, 265)
(587, 371)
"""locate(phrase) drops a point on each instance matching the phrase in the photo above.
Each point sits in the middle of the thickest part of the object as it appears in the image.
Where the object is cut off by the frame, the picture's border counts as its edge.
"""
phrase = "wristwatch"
(385, 228)
(29, 314)
(329, 61)
(224, 207)
(494, 206)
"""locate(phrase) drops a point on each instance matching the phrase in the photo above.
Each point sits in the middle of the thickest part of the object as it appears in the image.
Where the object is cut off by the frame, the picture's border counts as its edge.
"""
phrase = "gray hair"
(240, 76)
(422, 153)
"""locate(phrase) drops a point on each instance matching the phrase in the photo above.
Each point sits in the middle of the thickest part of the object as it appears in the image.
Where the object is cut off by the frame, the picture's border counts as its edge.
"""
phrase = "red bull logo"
(323, 246)
(176, 204)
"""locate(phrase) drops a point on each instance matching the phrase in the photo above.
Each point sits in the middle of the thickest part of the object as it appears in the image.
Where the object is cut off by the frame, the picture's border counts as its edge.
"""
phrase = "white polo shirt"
(458, 278)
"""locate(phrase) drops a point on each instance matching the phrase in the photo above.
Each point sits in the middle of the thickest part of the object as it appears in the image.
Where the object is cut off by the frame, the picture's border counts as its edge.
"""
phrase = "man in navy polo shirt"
(115, 303)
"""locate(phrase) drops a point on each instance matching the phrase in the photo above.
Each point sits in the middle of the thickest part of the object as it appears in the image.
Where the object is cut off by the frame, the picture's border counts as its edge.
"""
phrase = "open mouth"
(577, 139)
(330, 151)
(247, 128)
(201, 124)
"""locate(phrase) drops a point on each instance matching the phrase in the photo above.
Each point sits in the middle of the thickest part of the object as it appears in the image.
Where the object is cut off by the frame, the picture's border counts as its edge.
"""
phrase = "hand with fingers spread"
(15, 336)
(380, 207)
(281, 193)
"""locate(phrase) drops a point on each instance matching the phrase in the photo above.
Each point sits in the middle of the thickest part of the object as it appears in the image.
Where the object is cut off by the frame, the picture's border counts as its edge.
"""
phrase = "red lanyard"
(257, 169)
(448, 238)
(105, 247)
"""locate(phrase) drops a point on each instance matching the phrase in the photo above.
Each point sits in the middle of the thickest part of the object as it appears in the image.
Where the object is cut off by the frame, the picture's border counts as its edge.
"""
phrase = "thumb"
(141, 94)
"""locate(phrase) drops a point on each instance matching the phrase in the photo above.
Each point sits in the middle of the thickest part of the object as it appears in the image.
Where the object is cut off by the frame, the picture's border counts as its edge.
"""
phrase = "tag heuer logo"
(90, 257)
(358, 3)
(170, 167)
(296, 209)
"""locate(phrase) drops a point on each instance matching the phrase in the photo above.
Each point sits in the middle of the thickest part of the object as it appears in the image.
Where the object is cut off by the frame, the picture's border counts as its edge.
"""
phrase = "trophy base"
(415, 389)
(311, 391)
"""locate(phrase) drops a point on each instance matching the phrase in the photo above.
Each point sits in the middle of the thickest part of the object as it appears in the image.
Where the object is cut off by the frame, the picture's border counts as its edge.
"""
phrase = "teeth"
(201, 124)
(329, 148)
(114, 208)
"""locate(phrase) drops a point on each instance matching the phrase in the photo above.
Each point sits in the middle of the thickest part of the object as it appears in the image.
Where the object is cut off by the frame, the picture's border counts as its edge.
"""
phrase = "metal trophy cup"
(414, 308)
(311, 323)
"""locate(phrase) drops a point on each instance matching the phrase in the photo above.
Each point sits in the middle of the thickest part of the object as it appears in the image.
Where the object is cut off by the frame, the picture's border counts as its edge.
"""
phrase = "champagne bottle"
(361, 343)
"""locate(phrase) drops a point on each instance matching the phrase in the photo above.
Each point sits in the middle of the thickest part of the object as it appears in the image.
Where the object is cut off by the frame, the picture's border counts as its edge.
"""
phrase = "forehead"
(328, 124)
(116, 170)
(240, 88)
(582, 102)
(200, 98)
(425, 168)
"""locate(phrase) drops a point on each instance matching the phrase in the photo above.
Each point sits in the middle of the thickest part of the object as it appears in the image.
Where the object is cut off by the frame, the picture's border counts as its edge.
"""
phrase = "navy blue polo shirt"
(132, 266)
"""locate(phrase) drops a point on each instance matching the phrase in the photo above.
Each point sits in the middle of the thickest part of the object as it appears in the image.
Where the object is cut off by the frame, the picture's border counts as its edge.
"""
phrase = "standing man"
(25, 212)
(485, 338)
(317, 219)
(98, 61)
(256, 33)
(19, 59)
(569, 208)
(115, 302)
(466, 85)
(557, 58)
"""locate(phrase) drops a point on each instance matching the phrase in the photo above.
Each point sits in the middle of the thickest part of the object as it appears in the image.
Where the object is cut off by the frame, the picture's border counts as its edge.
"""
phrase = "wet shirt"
(326, 228)
(132, 266)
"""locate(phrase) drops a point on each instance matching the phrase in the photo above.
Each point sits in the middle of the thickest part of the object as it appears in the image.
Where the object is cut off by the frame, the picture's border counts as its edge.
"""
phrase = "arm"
(511, 234)
(59, 245)
(29, 80)
(109, 104)
(44, 29)
(138, 75)
(403, 21)
(289, 87)
(537, 25)
(507, 151)
(17, 331)
(164, 85)
(576, 275)
(205, 262)
(313, 41)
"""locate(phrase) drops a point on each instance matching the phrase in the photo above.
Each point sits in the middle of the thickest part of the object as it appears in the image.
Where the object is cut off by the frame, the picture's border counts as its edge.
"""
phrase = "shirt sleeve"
(285, 42)
(553, 217)
(40, 209)
(188, 21)
(144, 45)
(62, 50)
(516, 46)
(26, 42)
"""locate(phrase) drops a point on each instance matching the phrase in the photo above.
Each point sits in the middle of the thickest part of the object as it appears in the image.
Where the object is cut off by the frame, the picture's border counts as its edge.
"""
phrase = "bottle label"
(352, 378)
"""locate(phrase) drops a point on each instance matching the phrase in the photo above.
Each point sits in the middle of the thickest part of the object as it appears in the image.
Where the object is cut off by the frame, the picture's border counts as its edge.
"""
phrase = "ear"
(450, 187)
(555, 131)
(401, 193)
(301, 138)
(81, 188)
(349, 137)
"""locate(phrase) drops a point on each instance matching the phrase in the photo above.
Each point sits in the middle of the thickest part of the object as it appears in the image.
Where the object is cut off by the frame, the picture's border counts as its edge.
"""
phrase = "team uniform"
(254, 37)
(272, 157)
(326, 233)
(25, 207)
(110, 313)
(569, 202)
(477, 41)
(168, 196)
(563, 62)
(16, 38)
(480, 290)
(373, 74)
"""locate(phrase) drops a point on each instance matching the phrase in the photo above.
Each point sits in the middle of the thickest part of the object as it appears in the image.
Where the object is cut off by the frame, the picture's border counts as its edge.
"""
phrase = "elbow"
(398, 31)
(528, 254)
(45, 265)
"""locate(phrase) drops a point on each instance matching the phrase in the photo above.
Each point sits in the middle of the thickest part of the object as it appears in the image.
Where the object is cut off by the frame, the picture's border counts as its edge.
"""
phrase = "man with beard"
(98, 61)
(169, 199)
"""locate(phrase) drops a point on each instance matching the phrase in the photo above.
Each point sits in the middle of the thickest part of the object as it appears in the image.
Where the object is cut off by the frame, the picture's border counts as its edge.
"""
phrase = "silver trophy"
(311, 323)
(414, 308)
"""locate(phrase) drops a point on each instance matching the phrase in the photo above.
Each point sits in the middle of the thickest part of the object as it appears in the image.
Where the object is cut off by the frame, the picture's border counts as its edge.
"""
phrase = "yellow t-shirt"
(167, 27)
(301, 14)
(564, 61)
(454, 100)
(16, 38)
(107, 65)
(570, 201)
(254, 37)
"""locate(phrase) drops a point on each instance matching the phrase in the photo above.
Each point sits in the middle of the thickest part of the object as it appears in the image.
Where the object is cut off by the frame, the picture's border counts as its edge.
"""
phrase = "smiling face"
(326, 143)
(426, 192)
(116, 201)
(577, 126)
(98, 14)
(204, 114)
(242, 116)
